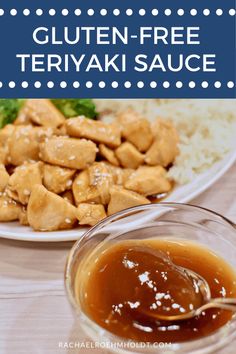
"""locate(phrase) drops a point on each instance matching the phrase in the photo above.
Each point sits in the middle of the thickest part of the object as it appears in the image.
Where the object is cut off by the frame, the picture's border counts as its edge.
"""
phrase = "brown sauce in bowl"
(129, 280)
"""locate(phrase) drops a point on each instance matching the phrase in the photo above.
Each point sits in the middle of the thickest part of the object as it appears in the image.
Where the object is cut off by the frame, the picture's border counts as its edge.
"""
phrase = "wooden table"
(35, 316)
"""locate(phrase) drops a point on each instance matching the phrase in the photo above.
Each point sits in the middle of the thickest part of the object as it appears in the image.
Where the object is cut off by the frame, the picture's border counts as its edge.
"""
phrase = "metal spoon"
(208, 302)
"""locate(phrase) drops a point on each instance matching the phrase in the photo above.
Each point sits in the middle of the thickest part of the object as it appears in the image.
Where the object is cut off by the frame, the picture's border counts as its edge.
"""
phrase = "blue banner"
(117, 49)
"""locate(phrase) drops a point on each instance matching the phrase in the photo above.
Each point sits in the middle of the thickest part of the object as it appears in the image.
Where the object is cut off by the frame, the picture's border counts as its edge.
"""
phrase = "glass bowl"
(182, 221)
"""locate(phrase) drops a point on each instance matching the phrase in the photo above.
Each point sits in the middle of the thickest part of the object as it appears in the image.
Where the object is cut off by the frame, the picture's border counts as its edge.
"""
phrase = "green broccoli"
(72, 107)
(9, 109)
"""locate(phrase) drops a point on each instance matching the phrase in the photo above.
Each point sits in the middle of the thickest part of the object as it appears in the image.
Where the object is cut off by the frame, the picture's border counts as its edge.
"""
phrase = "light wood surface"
(35, 316)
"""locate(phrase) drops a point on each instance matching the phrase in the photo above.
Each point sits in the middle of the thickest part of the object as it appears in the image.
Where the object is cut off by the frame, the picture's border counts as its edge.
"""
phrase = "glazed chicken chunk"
(23, 219)
(100, 132)
(121, 199)
(149, 181)
(57, 179)
(129, 156)
(43, 112)
(57, 173)
(164, 149)
(101, 178)
(9, 209)
(5, 134)
(108, 154)
(120, 175)
(24, 141)
(23, 117)
(83, 192)
(84, 186)
(4, 178)
(23, 180)
(136, 130)
(23, 145)
(90, 214)
(48, 212)
(93, 185)
(68, 196)
(68, 152)
(3, 156)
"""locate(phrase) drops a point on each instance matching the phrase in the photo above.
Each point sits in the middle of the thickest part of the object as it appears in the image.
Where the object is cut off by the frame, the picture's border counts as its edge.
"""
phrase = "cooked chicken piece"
(5, 134)
(23, 116)
(9, 209)
(100, 132)
(68, 152)
(61, 131)
(43, 112)
(24, 143)
(129, 156)
(136, 130)
(93, 184)
(57, 179)
(49, 212)
(108, 154)
(90, 214)
(82, 191)
(120, 175)
(23, 180)
(164, 149)
(126, 172)
(148, 181)
(101, 178)
(4, 178)
(3, 156)
(23, 217)
(122, 198)
(68, 196)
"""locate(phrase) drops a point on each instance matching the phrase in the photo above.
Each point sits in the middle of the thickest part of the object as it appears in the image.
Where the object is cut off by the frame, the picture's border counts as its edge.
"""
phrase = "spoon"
(208, 302)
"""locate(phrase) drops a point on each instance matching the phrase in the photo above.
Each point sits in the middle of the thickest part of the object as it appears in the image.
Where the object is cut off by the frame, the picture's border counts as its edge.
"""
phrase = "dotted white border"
(125, 84)
(116, 12)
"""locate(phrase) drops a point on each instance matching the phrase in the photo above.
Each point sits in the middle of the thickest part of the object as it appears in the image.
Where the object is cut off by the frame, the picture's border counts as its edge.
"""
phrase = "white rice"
(207, 129)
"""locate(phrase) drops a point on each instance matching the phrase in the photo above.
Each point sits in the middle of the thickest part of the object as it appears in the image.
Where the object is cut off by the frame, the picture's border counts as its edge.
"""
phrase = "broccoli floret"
(72, 107)
(9, 109)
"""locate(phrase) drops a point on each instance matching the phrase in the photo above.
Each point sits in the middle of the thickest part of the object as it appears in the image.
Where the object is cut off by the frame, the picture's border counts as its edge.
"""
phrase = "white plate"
(181, 194)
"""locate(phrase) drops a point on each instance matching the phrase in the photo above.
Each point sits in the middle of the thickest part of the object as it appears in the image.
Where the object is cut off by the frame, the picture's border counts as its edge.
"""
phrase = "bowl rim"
(211, 341)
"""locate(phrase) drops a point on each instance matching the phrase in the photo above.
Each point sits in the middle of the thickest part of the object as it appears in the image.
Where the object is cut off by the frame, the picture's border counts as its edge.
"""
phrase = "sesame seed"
(62, 172)
(69, 183)
(26, 192)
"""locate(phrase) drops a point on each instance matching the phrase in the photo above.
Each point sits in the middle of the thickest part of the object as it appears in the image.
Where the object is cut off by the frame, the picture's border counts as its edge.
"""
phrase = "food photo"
(66, 164)
(117, 225)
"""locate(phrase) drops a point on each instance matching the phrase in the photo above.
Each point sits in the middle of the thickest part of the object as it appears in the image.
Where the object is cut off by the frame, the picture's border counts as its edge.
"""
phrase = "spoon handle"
(222, 303)
(226, 301)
